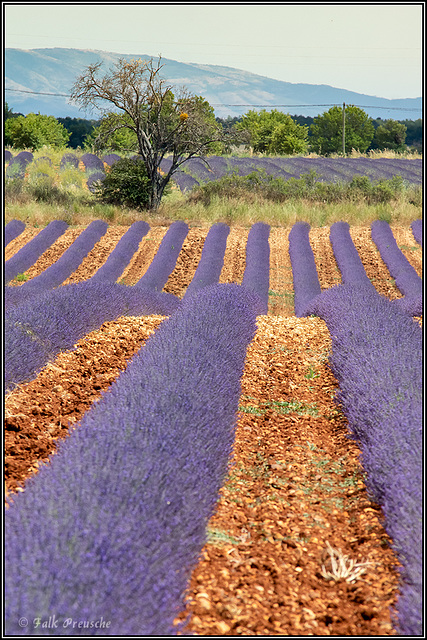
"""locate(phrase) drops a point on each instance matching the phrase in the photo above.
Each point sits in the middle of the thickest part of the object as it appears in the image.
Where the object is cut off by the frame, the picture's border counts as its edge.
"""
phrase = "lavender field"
(196, 171)
(127, 498)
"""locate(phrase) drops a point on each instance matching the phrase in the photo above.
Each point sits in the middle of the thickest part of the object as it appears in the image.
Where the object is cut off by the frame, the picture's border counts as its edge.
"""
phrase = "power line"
(38, 93)
(335, 104)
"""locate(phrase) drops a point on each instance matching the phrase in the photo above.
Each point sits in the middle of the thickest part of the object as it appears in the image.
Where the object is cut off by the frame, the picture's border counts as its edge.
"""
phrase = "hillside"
(54, 70)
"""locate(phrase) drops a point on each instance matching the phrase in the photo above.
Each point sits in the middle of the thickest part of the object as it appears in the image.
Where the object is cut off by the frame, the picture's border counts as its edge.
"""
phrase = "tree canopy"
(274, 132)
(327, 130)
(34, 131)
(161, 120)
(390, 134)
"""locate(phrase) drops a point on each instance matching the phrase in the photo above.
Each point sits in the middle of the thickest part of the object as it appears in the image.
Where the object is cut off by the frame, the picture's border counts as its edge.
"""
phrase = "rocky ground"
(295, 499)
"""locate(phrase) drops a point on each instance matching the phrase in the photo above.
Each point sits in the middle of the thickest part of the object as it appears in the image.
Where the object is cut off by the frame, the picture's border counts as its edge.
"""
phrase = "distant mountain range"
(230, 91)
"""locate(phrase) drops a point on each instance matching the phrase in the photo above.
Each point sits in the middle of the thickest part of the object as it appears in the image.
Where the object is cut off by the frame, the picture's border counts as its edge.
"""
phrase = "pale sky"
(374, 49)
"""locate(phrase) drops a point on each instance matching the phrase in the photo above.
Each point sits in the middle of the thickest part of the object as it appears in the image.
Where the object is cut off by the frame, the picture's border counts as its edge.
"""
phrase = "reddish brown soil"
(295, 483)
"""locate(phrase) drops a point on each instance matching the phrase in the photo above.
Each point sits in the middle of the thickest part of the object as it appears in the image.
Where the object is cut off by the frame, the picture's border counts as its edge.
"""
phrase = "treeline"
(414, 128)
(82, 132)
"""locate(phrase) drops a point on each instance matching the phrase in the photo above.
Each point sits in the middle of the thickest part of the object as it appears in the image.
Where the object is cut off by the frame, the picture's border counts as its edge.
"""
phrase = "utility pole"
(343, 128)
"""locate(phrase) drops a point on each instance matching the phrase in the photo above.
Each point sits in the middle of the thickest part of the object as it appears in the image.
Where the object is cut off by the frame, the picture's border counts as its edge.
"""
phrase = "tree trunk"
(158, 185)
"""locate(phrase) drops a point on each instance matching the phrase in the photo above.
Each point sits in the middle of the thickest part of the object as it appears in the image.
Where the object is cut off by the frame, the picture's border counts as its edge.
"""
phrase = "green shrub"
(13, 188)
(125, 184)
(42, 189)
(307, 187)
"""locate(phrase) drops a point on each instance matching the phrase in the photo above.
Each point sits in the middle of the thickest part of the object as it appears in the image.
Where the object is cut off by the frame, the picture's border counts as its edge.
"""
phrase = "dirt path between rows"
(295, 484)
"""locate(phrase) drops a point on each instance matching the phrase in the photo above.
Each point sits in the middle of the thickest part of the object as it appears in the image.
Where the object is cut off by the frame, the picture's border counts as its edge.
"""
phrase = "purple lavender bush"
(346, 255)
(257, 269)
(110, 158)
(165, 259)
(31, 252)
(124, 503)
(184, 181)
(70, 260)
(12, 230)
(69, 159)
(7, 155)
(407, 280)
(212, 259)
(417, 230)
(120, 257)
(305, 279)
(377, 360)
(95, 177)
(92, 162)
(37, 329)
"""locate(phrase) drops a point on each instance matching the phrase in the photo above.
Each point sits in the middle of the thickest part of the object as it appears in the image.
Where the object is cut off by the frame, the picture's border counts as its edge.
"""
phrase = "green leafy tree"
(327, 129)
(274, 132)
(34, 131)
(414, 133)
(9, 113)
(79, 130)
(163, 123)
(390, 134)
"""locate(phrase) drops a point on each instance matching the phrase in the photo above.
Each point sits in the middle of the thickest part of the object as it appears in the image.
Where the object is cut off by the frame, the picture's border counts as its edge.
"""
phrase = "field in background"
(46, 194)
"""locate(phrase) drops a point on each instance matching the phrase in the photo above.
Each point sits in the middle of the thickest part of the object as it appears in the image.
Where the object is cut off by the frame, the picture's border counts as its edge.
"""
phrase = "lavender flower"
(69, 159)
(377, 360)
(95, 177)
(417, 230)
(126, 500)
(165, 259)
(70, 260)
(257, 269)
(12, 230)
(52, 321)
(110, 158)
(184, 181)
(30, 253)
(211, 262)
(92, 162)
(327, 169)
(304, 272)
(120, 257)
(407, 279)
(346, 255)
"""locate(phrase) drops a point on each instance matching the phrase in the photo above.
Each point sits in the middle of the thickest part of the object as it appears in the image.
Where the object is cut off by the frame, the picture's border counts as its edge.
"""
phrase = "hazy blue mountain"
(55, 70)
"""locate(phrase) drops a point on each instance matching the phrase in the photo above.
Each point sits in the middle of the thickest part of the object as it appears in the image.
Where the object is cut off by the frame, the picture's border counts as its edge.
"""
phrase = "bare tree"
(179, 126)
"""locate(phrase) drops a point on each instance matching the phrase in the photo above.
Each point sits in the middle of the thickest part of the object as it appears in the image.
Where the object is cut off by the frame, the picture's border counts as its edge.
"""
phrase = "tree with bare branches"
(133, 96)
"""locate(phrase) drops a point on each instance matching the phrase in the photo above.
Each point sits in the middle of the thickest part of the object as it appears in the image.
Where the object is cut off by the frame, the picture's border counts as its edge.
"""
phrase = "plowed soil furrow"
(97, 256)
(409, 247)
(327, 269)
(187, 262)
(372, 262)
(142, 258)
(235, 255)
(51, 255)
(281, 289)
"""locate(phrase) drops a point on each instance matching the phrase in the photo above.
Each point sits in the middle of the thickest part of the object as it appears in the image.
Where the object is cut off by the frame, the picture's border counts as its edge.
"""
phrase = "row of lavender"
(197, 170)
(377, 360)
